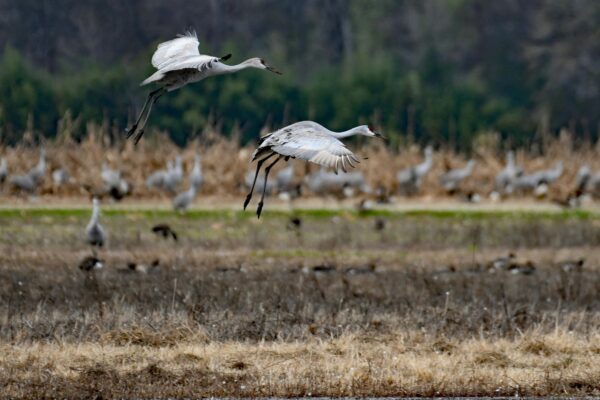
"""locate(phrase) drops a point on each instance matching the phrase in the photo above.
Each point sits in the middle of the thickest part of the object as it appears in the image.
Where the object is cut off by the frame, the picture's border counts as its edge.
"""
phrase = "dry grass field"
(225, 163)
(382, 303)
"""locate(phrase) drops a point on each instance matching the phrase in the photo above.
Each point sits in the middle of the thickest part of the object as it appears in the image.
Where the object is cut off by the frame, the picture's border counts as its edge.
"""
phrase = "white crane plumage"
(511, 171)
(23, 182)
(156, 179)
(307, 141)
(410, 178)
(174, 176)
(325, 182)
(178, 63)
(537, 179)
(3, 169)
(94, 232)
(114, 182)
(196, 177)
(60, 177)
(37, 173)
(285, 179)
(183, 200)
(452, 178)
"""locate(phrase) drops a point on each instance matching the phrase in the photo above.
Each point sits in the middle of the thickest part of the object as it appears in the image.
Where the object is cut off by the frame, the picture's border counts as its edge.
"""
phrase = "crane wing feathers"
(175, 49)
(310, 145)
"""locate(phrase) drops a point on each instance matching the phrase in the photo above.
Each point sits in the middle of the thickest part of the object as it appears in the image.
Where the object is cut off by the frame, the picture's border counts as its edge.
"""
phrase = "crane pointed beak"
(273, 70)
(379, 135)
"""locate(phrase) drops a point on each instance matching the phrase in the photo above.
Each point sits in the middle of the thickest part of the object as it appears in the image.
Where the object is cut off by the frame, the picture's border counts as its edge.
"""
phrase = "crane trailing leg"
(144, 114)
(258, 165)
(262, 197)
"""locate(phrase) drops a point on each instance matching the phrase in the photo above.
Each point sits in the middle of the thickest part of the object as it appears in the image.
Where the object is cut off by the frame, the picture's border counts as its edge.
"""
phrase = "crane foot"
(130, 131)
(247, 201)
(259, 209)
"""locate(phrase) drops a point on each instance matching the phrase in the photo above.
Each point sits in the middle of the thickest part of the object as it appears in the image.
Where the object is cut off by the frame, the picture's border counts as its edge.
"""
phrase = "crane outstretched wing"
(314, 146)
(180, 48)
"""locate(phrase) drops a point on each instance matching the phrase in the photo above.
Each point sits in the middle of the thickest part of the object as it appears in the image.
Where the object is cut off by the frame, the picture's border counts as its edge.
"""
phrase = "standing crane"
(409, 179)
(37, 173)
(196, 177)
(183, 200)
(94, 232)
(506, 177)
(174, 176)
(3, 169)
(308, 141)
(451, 179)
(178, 63)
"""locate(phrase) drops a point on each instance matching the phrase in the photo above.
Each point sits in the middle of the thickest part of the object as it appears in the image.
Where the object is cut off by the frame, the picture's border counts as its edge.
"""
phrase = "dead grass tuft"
(536, 347)
(494, 358)
(144, 337)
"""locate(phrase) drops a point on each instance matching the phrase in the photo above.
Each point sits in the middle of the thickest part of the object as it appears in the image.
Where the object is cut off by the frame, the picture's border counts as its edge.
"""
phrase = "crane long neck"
(95, 214)
(345, 134)
(237, 67)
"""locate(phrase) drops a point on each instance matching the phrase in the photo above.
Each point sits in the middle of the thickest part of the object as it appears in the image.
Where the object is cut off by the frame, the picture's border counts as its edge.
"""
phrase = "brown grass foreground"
(236, 309)
(403, 364)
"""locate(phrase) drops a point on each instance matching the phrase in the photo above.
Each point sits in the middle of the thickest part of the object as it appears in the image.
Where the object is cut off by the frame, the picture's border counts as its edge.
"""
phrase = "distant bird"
(551, 175)
(225, 270)
(295, 224)
(3, 170)
(451, 179)
(23, 183)
(37, 173)
(285, 179)
(538, 181)
(196, 177)
(511, 171)
(260, 181)
(502, 263)
(325, 182)
(593, 184)
(409, 179)
(156, 180)
(142, 268)
(576, 196)
(584, 175)
(379, 224)
(91, 263)
(33, 179)
(115, 185)
(179, 62)
(95, 234)
(526, 268)
(174, 176)
(323, 268)
(572, 265)
(165, 231)
(183, 200)
(308, 141)
(60, 177)
(370, 269)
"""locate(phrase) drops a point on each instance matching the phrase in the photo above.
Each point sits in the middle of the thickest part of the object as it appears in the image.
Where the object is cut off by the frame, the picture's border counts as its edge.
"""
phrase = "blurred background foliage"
(430, 71)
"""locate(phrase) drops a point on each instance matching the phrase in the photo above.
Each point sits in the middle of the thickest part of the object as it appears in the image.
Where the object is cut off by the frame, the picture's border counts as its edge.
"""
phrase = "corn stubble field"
(384, 304)
(225, 162)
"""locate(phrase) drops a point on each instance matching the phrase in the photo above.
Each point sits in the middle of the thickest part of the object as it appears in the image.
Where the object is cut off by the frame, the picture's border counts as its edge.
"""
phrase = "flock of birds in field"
(179, 62)
(96, 237)
(287, 185)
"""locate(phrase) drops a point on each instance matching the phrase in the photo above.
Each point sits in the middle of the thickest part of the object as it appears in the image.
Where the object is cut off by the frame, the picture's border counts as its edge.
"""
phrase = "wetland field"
(304, 303)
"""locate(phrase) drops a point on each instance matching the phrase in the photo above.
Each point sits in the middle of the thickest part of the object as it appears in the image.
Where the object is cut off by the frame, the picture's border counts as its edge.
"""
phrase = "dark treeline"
(430, 71)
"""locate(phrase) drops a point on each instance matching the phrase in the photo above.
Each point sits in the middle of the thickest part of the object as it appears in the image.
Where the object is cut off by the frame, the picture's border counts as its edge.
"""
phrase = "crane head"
(263, 65)
(367, 130)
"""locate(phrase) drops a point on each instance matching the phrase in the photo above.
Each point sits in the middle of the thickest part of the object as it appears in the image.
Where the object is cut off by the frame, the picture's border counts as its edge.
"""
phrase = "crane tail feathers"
(225, 57)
